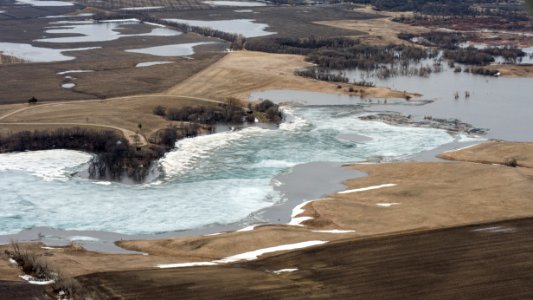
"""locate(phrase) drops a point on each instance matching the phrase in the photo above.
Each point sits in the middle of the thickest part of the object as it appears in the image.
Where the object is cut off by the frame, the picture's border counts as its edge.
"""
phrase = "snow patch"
(142, 8)
(298, 221)
(290, 270)
(49, 248)
(334, 231)
(213, 234)
(32, 280)
(249, 228)
(252, 255)
(185, 265)
(495, 229)
(387, 204)
(374, 187)
(74, 71)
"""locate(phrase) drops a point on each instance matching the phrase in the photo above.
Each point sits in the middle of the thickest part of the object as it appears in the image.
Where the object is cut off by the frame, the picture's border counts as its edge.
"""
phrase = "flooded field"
(169, 50)
(244, 27)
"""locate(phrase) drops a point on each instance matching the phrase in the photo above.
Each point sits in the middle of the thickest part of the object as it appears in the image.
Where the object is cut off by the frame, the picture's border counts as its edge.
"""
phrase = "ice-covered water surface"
(219, 178)
(245, 27)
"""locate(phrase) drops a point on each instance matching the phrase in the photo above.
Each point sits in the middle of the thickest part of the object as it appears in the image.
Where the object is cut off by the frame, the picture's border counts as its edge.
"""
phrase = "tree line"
(229, 112)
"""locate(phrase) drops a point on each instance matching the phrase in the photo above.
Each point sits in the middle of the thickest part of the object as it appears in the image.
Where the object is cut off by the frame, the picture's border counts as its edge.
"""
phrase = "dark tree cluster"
(267, 110)
(302, 46)
(167, 137)
(470, 56)
(339, 53)
(450, 7)
(444, 40)
(508, 53)
(321, 74)
(367, 57)
(482, 71)
(114, 156)
(230, 112)
(223, 113)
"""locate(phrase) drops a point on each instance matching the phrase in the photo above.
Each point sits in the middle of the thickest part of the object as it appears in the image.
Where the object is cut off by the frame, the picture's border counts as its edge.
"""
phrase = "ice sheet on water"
(47, 164)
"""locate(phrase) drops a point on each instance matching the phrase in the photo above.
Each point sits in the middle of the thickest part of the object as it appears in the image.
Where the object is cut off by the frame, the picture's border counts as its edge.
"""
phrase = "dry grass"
(238, 74)
(429, 195)
(380, 31)
(513, 70)
(125, 113)
(497, 152)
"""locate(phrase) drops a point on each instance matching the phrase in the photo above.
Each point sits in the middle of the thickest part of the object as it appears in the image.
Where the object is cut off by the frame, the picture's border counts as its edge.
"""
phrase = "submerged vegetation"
(454, 50)
(333, 54)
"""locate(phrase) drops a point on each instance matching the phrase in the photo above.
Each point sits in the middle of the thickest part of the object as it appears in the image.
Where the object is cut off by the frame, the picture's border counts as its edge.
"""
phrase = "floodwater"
(43, 3)
(152, 63)
(38, 54)
(504, 105)
(91, 31)
(170, 50)
(245, 27)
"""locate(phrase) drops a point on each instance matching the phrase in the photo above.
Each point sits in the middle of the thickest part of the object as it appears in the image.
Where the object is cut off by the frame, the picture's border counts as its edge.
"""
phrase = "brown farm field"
(491, 260)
